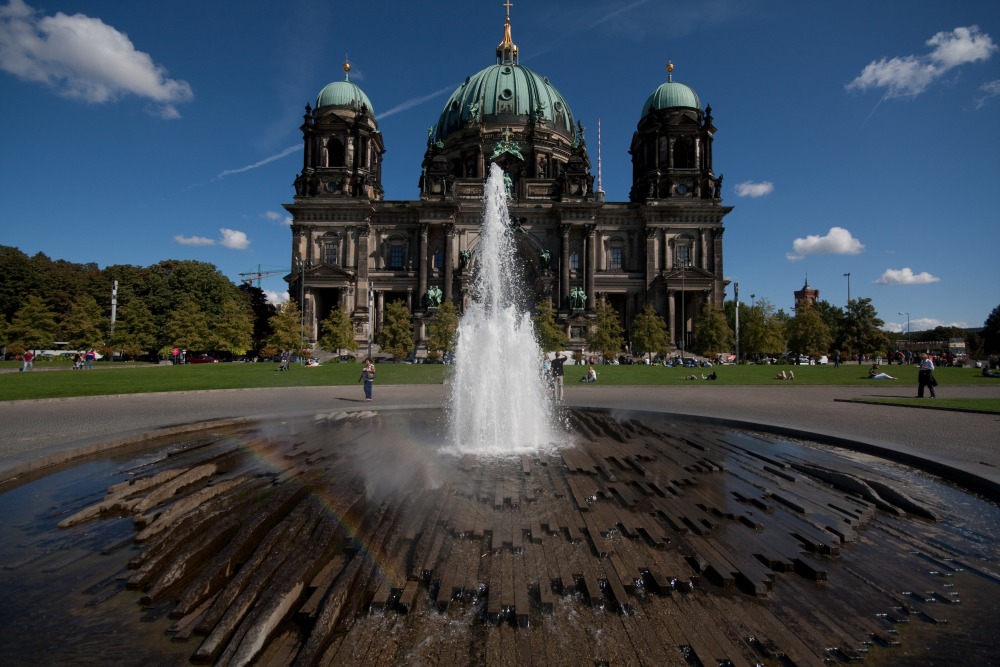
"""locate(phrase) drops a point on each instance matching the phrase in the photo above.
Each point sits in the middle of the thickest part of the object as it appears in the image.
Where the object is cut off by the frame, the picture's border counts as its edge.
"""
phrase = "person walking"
(557, 375)
(88, 359)
(29, 361)
(368, 376)
(925, 376)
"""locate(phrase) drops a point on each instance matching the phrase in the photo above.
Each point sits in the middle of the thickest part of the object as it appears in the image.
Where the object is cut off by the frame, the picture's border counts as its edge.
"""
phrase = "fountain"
(354, 537)
(499, 403)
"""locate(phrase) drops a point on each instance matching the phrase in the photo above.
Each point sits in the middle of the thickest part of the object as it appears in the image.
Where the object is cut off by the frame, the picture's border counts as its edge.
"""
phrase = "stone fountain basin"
(358, 538)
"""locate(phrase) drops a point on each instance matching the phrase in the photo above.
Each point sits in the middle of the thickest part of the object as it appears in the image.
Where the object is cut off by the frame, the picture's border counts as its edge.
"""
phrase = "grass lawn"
(55, 379)
(58, 380)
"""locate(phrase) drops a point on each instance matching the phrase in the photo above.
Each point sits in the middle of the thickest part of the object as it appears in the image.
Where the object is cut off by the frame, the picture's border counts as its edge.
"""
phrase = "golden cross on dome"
(508, 5)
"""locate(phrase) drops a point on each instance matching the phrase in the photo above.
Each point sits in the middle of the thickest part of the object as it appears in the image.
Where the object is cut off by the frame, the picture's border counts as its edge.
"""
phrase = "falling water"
(499, 399)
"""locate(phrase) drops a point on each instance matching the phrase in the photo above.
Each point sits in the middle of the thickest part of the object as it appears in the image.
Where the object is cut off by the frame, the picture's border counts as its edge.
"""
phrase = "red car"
(202, 359)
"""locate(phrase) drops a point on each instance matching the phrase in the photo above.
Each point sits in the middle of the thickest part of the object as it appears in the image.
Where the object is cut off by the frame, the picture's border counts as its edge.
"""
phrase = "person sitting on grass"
(875, 374)
(591, 375)
(785, 375)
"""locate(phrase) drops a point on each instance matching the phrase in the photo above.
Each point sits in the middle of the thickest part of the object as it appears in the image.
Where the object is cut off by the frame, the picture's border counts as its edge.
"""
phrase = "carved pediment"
(331, 274)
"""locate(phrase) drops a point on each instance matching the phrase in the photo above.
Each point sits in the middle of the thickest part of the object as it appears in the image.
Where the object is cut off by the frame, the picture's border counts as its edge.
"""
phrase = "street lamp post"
(303, 264)
(848, 276)
(736, 296)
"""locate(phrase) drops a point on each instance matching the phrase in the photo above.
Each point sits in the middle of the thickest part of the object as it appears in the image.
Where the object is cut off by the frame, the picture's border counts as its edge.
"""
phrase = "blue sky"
(855, 137)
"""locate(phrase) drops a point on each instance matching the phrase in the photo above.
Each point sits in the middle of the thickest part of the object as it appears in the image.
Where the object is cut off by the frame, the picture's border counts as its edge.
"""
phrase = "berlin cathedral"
(352, 249)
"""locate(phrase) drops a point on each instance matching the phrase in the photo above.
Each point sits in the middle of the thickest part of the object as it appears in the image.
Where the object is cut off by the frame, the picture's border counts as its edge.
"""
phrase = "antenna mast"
(600, 184)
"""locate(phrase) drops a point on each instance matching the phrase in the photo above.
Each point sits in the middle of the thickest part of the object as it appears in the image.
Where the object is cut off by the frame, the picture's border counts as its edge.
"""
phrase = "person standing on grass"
(89, 359)
(925, 376)
(29, 361)
(368, 376)
(557, 375)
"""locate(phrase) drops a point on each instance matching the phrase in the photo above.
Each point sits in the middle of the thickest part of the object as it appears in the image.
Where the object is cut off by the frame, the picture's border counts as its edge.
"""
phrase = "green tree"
(286, 328)
(337, 332)
(762, 329)
(84, 326)
(549, 334)
(396, 336)
(187, 326)
(712, 335)
(990, 334)
(262, 313)
(808, 333)
(649, 333)
(863, 333)
(33, 327)
(442, 330)
(833, 317)
(135, 330)
(19, 277)
(232, 330)
(606, 334)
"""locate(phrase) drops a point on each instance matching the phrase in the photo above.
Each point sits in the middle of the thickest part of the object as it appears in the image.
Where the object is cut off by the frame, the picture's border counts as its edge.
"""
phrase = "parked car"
(202, 359)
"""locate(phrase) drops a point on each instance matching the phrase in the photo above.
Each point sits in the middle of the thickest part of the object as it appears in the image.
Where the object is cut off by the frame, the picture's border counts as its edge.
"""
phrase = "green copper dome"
(344, 94)
(506, 93)
(670, 95)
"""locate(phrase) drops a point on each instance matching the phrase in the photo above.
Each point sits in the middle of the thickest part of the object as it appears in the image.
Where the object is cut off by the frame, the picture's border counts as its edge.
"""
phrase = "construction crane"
(248, 277)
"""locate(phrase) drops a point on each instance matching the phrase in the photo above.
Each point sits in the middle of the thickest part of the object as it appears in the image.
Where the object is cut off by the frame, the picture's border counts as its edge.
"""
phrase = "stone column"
(449, 251)
(422, 265)
(672, 319)
(591, 245)
(379, 309)
(564, 266)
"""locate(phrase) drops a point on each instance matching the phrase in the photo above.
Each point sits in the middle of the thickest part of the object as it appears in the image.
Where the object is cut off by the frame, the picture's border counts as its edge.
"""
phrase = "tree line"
(192, 305)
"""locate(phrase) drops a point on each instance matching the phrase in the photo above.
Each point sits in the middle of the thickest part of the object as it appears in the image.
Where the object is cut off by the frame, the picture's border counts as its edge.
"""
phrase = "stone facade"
(354, 250)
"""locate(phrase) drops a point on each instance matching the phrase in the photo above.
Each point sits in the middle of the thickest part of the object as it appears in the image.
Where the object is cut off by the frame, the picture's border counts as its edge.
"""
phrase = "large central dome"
(507, 94)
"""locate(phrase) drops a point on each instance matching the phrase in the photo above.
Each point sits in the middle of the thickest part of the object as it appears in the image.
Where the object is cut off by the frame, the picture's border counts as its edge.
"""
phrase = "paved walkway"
(960, 446)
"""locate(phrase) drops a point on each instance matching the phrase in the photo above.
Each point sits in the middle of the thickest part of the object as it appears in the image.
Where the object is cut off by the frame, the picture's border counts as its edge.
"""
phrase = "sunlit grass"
(55, 379)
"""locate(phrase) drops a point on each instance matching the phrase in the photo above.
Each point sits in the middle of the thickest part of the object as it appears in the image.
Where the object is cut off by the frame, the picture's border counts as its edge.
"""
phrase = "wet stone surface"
(355, 539)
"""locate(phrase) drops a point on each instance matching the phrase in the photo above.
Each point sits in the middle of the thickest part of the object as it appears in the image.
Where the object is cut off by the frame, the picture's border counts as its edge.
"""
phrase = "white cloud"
(410, 103)
(275, 298)
(990, 90)
(908, 76)
(193, 240)
(281, 218)
(905, 276)
(83, 58)
(751, 189)
(233, 239)
(229, 238)
(922, 324)
(838, 241)
(260, 163)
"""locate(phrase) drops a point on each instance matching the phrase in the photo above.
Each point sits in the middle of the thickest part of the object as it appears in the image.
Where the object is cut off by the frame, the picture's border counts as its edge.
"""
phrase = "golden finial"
(507, 50)
(347, 69)
(670, 71)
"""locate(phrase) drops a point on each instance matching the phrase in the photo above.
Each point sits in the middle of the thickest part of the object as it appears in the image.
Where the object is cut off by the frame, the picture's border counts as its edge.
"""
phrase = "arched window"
(684, 153)
(396, 253)
(682, 251)
(331, 251)
(336, 147)
(616, 254)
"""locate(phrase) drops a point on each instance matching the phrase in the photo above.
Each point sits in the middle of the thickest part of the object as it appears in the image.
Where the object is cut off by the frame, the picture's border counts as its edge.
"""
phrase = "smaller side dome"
(671, 95)
(344, 94)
